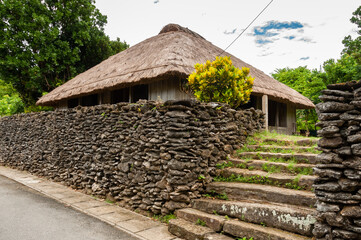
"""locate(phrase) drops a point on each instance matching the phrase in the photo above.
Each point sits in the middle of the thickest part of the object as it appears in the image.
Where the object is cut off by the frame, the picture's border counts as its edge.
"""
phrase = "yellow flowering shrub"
(220, 81)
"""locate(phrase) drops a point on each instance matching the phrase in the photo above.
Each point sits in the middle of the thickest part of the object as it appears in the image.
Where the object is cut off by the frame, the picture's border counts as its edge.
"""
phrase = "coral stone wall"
(338, 187)
(147, 156)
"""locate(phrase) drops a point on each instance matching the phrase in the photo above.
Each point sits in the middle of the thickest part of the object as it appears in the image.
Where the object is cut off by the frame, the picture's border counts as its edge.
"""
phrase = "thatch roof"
(171, 53)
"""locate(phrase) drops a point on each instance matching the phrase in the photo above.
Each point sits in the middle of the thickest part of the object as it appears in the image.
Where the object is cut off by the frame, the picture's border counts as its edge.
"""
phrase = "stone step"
(267, 148)
(300, 142)
(278, 141)
(276, 179)
(192, 215)
(297, 220)
(306, 142)
(269, 166)
(190, 231)
(257, 232)
(235, 228)
(298, 157)
(244, 191)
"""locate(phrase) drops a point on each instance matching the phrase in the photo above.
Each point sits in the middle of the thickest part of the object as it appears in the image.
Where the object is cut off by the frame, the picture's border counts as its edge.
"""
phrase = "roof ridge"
(172, 27)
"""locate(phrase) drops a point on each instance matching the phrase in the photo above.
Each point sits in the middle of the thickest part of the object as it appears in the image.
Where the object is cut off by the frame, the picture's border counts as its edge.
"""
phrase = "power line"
(247, 27)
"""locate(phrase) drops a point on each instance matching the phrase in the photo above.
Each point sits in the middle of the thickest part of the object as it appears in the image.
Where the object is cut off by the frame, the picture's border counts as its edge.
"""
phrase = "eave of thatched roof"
(171, 53)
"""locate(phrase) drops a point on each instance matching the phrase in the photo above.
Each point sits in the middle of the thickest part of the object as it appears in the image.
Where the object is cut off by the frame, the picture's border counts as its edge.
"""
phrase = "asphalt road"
(29, 215)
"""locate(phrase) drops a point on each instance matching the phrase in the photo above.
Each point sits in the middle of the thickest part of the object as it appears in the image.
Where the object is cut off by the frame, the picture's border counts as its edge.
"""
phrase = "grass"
(291, 159)
(109, 201)
(294, 183)
(229, 164)
(224, 165)
(259, 180)
(201, 222)
(281, 150)
(266, 134)
(239, 178)
(283, 140)
(213, 195)
(276, 146)
(201, 177)
(297, 170)
(244, 238)
(165, 218)
(266, 147)
(271, 169)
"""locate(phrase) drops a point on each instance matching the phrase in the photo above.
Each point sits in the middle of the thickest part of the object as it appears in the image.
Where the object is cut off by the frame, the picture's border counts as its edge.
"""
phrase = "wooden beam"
(265, 110)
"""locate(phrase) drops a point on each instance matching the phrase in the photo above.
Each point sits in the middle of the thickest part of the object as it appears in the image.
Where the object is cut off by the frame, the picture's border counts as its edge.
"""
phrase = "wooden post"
(265, 110)
(105, 97)
(130, 94)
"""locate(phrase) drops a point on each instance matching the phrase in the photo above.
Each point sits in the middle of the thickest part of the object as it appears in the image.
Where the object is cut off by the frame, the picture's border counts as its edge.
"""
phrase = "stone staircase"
(262, 191)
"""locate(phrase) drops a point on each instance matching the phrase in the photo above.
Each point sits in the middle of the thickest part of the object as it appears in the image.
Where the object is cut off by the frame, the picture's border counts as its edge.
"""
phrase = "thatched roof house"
(155, 67)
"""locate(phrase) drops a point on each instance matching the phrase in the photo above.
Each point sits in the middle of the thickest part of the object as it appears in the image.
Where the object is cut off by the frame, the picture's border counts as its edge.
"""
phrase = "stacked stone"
(148, 156)
(338, 186)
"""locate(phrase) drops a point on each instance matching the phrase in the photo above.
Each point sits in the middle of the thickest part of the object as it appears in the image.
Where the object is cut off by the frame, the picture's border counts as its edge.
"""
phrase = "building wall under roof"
(290, 119)
(169, 89)
(284, 119)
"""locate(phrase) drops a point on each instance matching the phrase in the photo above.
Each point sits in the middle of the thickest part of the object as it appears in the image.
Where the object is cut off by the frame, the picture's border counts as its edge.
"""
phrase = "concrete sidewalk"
(135, 224)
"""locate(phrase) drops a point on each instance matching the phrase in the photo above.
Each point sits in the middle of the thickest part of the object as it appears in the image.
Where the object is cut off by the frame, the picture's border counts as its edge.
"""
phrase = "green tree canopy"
(307, 82)
(310, 82)
(341, 70)
(10, 102)
(44, 43)
(353, 46)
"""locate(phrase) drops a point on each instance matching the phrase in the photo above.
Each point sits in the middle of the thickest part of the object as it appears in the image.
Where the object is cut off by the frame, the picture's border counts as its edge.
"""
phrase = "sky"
(289, 33)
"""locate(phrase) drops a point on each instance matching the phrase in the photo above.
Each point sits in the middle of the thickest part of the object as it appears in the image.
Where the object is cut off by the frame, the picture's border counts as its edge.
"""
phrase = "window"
(90, 100)
(139, 92)
(120, 95)
(72, 103)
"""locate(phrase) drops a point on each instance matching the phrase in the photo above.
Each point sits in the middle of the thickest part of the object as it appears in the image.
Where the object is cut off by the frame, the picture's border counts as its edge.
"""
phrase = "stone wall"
(338, 187)
(147, 156)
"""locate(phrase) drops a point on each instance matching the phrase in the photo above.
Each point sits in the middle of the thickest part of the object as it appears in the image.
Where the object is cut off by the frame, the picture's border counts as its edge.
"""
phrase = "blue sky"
(266, 29)
(264, 34)
(290, 33)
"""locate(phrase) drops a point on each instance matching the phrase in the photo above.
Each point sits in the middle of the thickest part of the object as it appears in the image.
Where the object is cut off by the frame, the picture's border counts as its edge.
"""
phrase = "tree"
(348, 67)
(44, 43)
(220, 81)
(353, 46)
(10, 102)
(310, 82)
(307, 82)
(341, 70)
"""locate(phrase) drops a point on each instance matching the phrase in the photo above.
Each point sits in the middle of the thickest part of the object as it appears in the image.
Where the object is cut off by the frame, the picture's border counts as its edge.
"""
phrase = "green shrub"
(220, 81)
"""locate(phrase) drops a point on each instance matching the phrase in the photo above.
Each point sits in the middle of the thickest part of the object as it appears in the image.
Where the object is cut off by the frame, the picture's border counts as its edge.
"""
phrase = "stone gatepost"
(338, 186)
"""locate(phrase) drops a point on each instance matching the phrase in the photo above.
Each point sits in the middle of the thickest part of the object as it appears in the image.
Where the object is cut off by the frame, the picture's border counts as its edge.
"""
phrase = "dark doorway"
(272, 113)
(277, 114)
(90, 100)
(139, 92)
(282, 114)
(254, 101)
(120, 95)
(72, 103)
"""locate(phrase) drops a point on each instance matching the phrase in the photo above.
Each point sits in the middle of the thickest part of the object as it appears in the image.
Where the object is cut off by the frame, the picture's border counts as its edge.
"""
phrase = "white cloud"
(325, 24)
